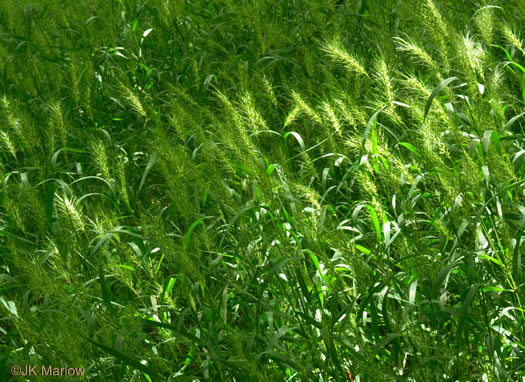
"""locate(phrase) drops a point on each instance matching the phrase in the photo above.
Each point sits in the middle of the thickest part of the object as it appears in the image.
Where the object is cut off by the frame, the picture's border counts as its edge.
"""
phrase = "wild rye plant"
(263, 190)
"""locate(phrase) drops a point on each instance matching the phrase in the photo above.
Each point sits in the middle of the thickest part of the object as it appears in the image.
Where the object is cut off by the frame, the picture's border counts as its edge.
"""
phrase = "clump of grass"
(268, 191)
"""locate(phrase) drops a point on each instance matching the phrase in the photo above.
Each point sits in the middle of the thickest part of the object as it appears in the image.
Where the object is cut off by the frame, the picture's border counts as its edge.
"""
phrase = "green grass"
(263, 190)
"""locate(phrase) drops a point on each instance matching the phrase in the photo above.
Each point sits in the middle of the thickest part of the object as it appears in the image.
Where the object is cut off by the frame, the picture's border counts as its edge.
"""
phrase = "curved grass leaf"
(435, 92)
(124, 358)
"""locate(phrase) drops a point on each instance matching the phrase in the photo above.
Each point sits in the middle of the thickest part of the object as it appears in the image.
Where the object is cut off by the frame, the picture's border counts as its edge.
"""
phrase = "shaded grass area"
(263, 190)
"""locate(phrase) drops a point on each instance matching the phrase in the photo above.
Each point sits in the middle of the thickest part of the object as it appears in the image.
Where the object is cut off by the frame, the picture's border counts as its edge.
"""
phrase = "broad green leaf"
(410, 147)
(375, 222)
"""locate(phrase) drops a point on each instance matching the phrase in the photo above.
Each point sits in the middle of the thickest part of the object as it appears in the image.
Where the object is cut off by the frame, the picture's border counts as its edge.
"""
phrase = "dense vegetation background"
(263, 190)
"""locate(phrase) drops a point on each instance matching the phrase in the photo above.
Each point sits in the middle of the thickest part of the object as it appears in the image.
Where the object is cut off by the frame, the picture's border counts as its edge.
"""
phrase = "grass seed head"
(7, 142)
(416, 52)
(472, 56)
(513, 37)
(98, 149)
(72, 212)
(340, 55)
(485, 23)
(134, 101)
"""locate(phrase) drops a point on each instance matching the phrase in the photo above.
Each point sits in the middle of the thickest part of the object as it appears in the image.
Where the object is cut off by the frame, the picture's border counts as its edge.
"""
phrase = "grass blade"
(435, 92)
